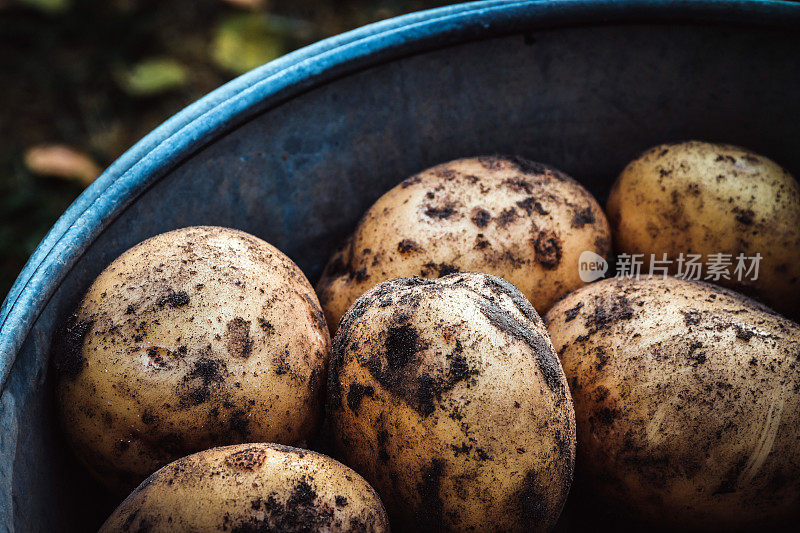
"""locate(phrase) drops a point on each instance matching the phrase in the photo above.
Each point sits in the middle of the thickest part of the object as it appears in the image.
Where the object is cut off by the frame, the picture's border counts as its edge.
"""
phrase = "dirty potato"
(446, 395)
(507, 216)
(194, 338)
(701, 198)
(252, 487)
(687, 400)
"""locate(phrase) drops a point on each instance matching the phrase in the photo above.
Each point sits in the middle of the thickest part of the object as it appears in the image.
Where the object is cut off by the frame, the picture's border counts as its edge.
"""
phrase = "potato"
(194, 338)
(703, 198)
(505, 216)
(687, 400)
(447, 396)
(252, 487)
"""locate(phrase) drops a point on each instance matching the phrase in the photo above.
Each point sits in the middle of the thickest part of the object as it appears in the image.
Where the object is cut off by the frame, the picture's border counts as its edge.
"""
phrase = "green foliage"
(152, 76)
(245, 41)
(47, 6)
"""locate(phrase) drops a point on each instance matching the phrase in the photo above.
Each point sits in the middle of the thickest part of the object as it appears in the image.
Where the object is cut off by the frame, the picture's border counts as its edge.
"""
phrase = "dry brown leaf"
(249, 4)
(61, 161)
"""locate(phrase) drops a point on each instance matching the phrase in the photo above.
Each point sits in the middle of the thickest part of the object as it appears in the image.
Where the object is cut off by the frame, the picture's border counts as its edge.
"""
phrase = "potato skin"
(252, 487)
(447, 396)
(703, 198)
(687, 401)
(506, 216)
(194, 338)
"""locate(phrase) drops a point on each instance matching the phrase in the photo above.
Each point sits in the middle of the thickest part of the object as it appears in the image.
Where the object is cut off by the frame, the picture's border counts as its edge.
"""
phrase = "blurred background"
(83, 80)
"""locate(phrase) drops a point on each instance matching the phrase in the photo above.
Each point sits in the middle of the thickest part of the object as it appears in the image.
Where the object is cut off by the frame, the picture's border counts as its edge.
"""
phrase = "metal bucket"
(296, 150)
